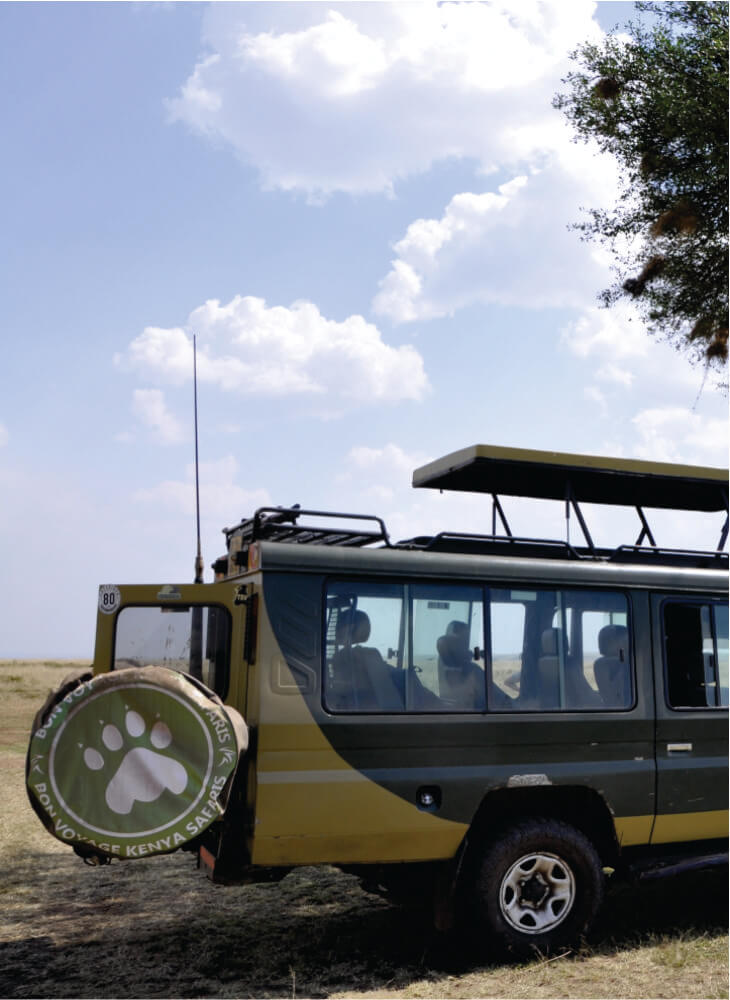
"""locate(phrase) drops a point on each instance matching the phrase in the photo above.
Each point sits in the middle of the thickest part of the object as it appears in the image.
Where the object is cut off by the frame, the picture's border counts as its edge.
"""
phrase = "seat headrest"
(453, 649)
(613, 640)
(550, 642)
(352, 627)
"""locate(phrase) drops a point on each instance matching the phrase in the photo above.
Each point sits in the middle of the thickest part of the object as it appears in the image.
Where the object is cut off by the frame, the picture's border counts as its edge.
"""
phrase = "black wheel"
(539, 888)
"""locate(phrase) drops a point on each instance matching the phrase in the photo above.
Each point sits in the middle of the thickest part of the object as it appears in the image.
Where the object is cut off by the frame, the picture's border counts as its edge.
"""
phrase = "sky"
(362, 212)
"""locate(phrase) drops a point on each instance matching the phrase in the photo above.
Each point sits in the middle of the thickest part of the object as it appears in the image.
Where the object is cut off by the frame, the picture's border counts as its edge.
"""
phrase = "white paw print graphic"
(143, 774)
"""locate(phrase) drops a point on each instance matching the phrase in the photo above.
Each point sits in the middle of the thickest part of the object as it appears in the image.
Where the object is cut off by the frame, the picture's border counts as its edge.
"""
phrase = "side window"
(448, 648)
(559, 650)
(365, 638)
(507, 621)
(404, 648)
(696, 654)
(194, 640)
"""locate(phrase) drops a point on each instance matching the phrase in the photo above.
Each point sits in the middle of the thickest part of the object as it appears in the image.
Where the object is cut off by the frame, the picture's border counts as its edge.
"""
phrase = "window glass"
(194, 640)
(696, 654)
(559, 650)
(448, 647)
(507, 630)
(365, 642)
(411, 647)
(404, 648)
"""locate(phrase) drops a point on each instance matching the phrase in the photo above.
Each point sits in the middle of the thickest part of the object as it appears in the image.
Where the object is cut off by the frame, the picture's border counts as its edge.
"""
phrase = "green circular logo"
(132, 768)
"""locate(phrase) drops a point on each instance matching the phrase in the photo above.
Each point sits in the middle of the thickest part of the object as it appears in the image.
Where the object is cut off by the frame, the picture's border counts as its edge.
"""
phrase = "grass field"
(158, 928)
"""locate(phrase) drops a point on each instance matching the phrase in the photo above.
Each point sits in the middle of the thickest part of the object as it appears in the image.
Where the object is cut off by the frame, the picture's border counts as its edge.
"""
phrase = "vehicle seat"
(548, 667)
(454, 656)
(611, 669)
(461, 680)
(361, 677)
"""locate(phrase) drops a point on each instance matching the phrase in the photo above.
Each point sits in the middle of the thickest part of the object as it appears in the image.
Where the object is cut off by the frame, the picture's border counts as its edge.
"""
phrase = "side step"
(650, 868)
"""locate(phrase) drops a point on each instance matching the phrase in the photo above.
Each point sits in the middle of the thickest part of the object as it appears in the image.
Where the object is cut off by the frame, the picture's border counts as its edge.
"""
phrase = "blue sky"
(361, 210)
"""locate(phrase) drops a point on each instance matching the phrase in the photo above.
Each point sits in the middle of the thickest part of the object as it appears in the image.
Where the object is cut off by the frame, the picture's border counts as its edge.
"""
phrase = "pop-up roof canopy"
(586, 478)
(576, 479)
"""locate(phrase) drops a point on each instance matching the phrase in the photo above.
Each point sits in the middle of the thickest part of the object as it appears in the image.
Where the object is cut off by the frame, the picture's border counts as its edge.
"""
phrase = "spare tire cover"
(133, 763)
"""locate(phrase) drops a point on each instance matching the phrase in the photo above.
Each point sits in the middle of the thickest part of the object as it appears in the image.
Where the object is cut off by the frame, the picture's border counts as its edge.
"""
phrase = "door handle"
(679, 747)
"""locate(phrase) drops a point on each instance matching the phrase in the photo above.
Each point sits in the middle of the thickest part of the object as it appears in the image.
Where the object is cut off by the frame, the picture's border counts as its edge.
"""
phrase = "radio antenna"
(198, 557)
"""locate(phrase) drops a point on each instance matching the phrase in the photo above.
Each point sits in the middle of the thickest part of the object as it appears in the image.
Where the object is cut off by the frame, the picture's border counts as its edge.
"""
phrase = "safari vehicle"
(492, 721)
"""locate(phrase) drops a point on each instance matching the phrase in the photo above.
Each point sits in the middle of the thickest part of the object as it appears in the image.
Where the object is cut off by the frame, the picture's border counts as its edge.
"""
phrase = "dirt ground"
(159, 928)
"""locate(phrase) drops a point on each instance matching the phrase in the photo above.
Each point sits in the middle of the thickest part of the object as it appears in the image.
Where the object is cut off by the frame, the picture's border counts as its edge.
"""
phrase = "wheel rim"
(537, 893)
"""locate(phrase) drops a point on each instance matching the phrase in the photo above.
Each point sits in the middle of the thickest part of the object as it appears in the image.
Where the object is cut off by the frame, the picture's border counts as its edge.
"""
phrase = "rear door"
(691, 655)
(197, 629)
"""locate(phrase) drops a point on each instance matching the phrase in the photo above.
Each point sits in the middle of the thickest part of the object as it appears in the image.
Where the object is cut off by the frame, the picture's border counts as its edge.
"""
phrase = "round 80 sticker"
(109, 598)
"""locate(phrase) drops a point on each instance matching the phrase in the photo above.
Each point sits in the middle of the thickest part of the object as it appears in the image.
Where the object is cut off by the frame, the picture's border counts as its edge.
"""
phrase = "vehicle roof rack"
(577, 479)
(281, 524)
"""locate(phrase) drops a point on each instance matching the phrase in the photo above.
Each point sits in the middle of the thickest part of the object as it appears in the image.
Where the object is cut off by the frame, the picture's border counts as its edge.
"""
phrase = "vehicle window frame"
(577, 615)
(405, 653)
(189, 605)
(698, 601)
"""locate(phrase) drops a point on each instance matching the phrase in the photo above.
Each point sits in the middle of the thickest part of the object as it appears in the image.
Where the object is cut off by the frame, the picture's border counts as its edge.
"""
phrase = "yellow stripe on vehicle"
(671, 828)
(632, 830)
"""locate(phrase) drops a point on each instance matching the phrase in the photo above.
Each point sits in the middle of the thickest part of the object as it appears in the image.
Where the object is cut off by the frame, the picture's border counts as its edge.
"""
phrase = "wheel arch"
(582, 807)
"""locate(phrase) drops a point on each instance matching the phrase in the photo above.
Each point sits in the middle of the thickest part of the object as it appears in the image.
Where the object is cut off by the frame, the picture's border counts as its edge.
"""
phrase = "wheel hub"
(534, 891)
(537, 893)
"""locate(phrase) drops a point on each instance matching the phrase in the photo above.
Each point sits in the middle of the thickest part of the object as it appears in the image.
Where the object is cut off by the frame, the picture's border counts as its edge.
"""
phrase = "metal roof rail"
(281, 524)
(512, 545)
(649, 554)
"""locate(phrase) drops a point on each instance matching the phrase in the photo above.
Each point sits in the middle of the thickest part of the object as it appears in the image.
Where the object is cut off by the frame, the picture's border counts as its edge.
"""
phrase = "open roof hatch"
(577, 479)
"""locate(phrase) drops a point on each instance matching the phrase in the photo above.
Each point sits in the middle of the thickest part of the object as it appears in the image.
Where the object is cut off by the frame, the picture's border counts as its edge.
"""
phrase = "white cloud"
(614, 373)
(365, 94)
(220, 496)
(249, 348)
(148, 405)
(624, 358)
(594, 395)
(4, 435)
(675, 434)
(614, 333)
(389, 459)
(380, 473)
(509, 247)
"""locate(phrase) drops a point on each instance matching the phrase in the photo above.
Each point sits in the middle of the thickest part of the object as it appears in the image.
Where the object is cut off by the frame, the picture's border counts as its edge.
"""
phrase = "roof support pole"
(570, 501)
(645, 530)
(723, 536)
(497, 509)
(723, 533)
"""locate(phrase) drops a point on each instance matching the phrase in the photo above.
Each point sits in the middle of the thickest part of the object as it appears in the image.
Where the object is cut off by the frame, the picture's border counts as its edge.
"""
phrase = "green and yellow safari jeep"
(489, 721)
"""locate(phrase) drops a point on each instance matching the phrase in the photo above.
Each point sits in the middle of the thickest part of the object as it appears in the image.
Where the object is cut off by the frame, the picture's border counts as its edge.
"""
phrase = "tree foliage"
(656, 98)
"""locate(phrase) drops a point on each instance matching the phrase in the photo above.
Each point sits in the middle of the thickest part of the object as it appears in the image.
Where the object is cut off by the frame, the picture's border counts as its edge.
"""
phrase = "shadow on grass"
(158, 928)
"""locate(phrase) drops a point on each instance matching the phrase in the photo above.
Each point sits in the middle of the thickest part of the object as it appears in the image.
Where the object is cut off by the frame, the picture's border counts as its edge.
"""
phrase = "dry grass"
(158, 928)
